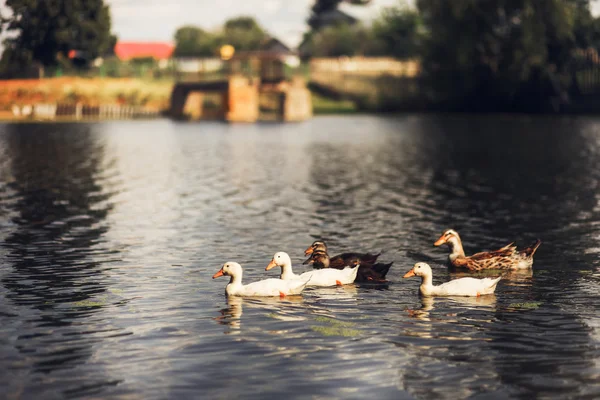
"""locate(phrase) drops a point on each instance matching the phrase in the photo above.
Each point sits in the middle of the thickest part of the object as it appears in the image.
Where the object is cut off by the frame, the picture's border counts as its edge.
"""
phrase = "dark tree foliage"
(44, 30)
(324, 6)
(397, 32)
(191, 41)
(502, 53)
(243, 33)
(318, 9)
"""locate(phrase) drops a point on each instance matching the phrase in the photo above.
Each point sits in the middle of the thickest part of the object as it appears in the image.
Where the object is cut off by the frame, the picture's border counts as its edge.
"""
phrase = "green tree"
(344, 40)
(397, 32)
(243, 33)
(45, 31)
(499, 53)
(191, 41)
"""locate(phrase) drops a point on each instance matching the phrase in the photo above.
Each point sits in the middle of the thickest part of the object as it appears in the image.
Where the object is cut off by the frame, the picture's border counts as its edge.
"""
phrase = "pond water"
(110, 234)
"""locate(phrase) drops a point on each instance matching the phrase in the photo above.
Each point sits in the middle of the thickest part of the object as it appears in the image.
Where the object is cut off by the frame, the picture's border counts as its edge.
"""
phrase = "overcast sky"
(158, 19)
(146, 20)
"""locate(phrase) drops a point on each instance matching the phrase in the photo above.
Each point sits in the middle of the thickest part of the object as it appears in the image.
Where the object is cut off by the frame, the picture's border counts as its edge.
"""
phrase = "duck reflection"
(278, 308)
(427, 305)
(340, 293)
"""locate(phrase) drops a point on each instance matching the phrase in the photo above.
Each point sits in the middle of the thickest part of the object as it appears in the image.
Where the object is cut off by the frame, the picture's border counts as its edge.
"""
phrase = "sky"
(157, 20)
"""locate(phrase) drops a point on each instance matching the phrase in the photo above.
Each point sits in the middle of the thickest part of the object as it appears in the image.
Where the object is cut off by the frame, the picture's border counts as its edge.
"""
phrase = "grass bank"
(153, 94)
(323, 105)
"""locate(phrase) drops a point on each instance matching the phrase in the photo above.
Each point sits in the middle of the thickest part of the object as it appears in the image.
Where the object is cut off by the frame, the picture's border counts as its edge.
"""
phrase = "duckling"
(456, 287)
(341, 260)
(374, 273)
(508, 257)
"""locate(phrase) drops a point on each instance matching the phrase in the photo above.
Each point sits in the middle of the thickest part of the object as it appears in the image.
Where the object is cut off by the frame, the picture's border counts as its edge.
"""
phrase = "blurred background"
(353, 55)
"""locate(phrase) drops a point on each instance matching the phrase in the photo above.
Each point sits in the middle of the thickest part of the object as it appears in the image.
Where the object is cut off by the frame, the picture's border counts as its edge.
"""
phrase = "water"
(110, 233)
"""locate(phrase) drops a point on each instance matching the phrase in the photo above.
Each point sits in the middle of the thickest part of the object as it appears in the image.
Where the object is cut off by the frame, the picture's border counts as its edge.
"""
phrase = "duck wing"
(273, 287)
(468, 287)
(353, 259)
(495, 259)
(374, 273)
(330, 276)
(530, 251)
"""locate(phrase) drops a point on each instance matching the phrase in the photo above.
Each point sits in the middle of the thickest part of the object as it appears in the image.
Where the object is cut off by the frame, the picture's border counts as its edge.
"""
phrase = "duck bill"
(440, 241)
(218, 274)
(308, 251)
(409, 274)
(272, 264)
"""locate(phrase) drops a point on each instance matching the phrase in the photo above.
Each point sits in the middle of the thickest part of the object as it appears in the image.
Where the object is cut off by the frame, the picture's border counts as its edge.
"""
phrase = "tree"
(191, 41)
(243, 33)
(343, 40)
(318, 9)
(325, 6)
(499, 53)
(45, 31)
(398, 32)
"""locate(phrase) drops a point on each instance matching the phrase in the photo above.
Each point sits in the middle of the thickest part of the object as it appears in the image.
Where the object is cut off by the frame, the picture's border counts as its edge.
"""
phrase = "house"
(126, 51)
(275, 45)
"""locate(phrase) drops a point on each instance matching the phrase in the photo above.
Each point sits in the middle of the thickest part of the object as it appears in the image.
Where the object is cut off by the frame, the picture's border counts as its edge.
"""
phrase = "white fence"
(79, 111)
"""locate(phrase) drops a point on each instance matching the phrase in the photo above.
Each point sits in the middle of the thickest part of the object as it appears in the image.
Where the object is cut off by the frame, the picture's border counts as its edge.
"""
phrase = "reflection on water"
(110, 233)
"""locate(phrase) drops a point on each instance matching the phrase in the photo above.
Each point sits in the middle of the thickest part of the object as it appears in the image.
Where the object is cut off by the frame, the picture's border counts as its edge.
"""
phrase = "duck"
(321, 277)
(373, 273)
(266, 287)
(341, 260)
(457, 287)
(508, 257)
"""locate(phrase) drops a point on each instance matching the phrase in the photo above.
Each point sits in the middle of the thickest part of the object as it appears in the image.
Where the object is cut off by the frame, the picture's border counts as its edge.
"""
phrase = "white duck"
(319, 277)
(266, 287)
(456, 287)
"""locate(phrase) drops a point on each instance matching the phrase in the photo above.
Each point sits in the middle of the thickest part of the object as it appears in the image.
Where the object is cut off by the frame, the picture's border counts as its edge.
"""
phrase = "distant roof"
(275, 45)
(157, 50)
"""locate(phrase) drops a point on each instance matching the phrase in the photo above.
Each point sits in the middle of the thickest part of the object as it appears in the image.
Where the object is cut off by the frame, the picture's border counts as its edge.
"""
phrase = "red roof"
(157, 50)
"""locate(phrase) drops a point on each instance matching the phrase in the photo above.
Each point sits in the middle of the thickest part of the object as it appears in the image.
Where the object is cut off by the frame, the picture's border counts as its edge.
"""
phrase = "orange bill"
(272, 264)
(308, 251)
(218, 274)
(409, 274)
(440, 241)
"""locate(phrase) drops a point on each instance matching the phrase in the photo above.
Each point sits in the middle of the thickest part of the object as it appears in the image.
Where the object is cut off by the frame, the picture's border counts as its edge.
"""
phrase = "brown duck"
(508, 257)
(341, 260)
(368, 270)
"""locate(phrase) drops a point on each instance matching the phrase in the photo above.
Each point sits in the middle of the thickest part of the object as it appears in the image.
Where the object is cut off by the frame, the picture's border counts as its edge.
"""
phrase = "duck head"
(280, 259)
(449, 237)
(231, 269)
(318, 259)
(419, 269)
(318, 245)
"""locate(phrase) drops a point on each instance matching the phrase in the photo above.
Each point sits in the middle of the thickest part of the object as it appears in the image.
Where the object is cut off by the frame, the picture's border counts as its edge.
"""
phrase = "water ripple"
(110, 233)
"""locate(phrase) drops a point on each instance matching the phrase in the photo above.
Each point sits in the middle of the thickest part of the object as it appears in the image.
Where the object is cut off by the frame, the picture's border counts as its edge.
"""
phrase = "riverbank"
(151, 94)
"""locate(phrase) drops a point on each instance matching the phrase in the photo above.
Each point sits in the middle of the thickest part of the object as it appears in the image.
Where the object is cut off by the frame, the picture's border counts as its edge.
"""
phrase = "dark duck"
(369, 271)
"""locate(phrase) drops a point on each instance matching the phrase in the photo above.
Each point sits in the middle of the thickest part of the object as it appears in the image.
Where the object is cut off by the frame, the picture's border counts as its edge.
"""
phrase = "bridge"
(254, 87)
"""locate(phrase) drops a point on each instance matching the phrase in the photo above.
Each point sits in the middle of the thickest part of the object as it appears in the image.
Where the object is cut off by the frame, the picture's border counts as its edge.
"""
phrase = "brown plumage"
(341, 260)
(367, 272)
(508, 257)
